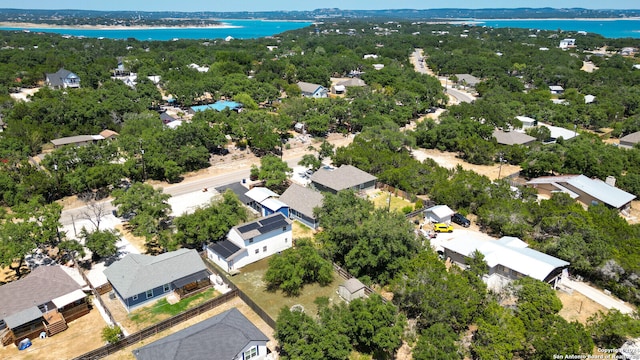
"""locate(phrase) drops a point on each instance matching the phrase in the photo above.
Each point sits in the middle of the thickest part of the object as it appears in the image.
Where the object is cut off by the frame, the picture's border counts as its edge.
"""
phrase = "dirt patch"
(577, 307)
(235, 303)
(83, 335)
(301, 231)
(139, 242)
(450, 160)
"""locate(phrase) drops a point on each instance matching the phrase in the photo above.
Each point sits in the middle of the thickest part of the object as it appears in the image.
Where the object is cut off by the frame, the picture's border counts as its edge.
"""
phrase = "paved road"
(420, 66)
(461, 96)
(186, 187)
(598, 296)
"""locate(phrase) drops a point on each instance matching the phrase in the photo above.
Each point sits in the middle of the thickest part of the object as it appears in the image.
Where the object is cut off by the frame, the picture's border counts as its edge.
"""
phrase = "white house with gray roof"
(62, 79)
(508, 257)
(252, 241)
(583, 189)
(140, 279)
(301, 201)
(229, 336)
(343, 178)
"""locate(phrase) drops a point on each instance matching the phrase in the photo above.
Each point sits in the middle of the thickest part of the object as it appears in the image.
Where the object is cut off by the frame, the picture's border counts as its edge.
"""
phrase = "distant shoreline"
(28, 26)
(555, 19)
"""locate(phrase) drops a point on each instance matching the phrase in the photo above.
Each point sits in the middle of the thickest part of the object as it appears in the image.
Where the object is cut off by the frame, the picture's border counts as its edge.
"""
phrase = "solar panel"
(271, 220)
(246, 228)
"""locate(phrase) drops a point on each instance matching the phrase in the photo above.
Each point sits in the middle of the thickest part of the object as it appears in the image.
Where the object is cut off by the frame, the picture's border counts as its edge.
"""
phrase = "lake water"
(250, 29)
(241, 29)
(606, 28)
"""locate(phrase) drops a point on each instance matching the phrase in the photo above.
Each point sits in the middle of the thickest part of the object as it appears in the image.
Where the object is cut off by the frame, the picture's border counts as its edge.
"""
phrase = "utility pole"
(144, 171)
(500, 168)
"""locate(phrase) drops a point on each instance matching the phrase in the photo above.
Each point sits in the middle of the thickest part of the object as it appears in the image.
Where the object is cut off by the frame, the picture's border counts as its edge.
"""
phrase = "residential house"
(198, 68)
(556, 89)
(353, 82)
(312, 90)
(229, 335)
(301, 201)
(508, 258)
(140, 279)
(352, 289)
(567, 43)
(252, 241)
(78, 140)
(588, 99)
(630, 140)
(239, 189)
(557, 132)
(527, 122)
(266, 201)
(62, 79)
(585, 190)
(512, 138)
(345, 177)
(108, 134)
(43, 301)
(439, 214)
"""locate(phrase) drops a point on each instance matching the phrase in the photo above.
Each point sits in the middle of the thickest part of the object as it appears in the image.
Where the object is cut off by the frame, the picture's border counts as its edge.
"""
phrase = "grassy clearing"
(161, 309)
(381, 200)
(250, 280)
(301, 231)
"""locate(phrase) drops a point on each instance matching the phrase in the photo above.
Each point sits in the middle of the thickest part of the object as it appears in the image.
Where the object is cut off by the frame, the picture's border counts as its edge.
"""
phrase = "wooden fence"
(401, 193)
(95, 292)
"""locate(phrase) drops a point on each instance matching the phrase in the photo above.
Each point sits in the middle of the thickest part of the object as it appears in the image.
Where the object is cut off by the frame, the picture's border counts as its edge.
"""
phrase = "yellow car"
(442, 227)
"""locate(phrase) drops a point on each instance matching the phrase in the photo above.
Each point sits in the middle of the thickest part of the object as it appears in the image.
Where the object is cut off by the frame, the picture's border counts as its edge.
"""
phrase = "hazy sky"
(266, 5)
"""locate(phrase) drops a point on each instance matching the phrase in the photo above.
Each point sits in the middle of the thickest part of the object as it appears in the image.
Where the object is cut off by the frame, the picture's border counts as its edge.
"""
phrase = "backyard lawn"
(381, 200)
(250, 280)
(161, 309)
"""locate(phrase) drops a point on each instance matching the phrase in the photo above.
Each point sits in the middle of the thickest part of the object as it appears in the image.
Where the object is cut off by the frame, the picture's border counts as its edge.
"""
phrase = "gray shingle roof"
(512, 137)
(261, 226)
(302, 199)
(306, 87)
(633, 138)
(56, 78)
(135, 273)
(221, 337)
(19, 298)
(344, 177)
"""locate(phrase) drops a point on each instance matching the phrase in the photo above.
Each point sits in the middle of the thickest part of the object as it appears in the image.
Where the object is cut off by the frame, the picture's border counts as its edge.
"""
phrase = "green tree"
(438, 341)
(275, 173)
(611, 329)
(102, 243)
(111, 334)
(293, 268)
(310, 161)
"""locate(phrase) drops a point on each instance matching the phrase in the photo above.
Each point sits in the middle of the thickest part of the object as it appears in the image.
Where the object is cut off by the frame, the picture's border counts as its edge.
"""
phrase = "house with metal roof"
(43, 301)
(585, 190)
(329, 179)
(509, 258)
(252, 241)
(512, 138)
(630, 140)
(140, 279)
(312, 90)
(301, 201)
(557, 132)
(219, 106)
(266, 202)
(62, 79)
(229, 335)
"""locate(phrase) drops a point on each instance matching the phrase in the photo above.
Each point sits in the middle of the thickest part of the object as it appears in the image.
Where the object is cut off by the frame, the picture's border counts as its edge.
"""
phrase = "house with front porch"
(43, 301)
(252, 241)
(138, 280)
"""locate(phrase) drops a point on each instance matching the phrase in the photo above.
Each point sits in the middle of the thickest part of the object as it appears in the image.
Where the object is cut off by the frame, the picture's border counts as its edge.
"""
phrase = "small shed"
(439, 214)
(352, 289)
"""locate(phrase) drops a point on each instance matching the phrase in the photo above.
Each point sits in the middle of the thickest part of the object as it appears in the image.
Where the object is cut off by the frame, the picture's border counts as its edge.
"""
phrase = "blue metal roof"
(218, 106)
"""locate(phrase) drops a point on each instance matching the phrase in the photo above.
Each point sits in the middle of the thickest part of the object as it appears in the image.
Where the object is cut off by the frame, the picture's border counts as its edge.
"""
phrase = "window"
(149, 294)
(251, 241)
(286, 240)
(264, 249)
(257, 251)
(166, 287)
(134, 297)
(284, 228)
(251, 353)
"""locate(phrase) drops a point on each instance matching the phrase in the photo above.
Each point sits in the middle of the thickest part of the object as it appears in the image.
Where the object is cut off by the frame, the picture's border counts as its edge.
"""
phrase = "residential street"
(456, 96)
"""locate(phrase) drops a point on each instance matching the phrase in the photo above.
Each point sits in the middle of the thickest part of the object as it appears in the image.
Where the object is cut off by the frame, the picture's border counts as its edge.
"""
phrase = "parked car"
(460, 220)
(442, 227)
